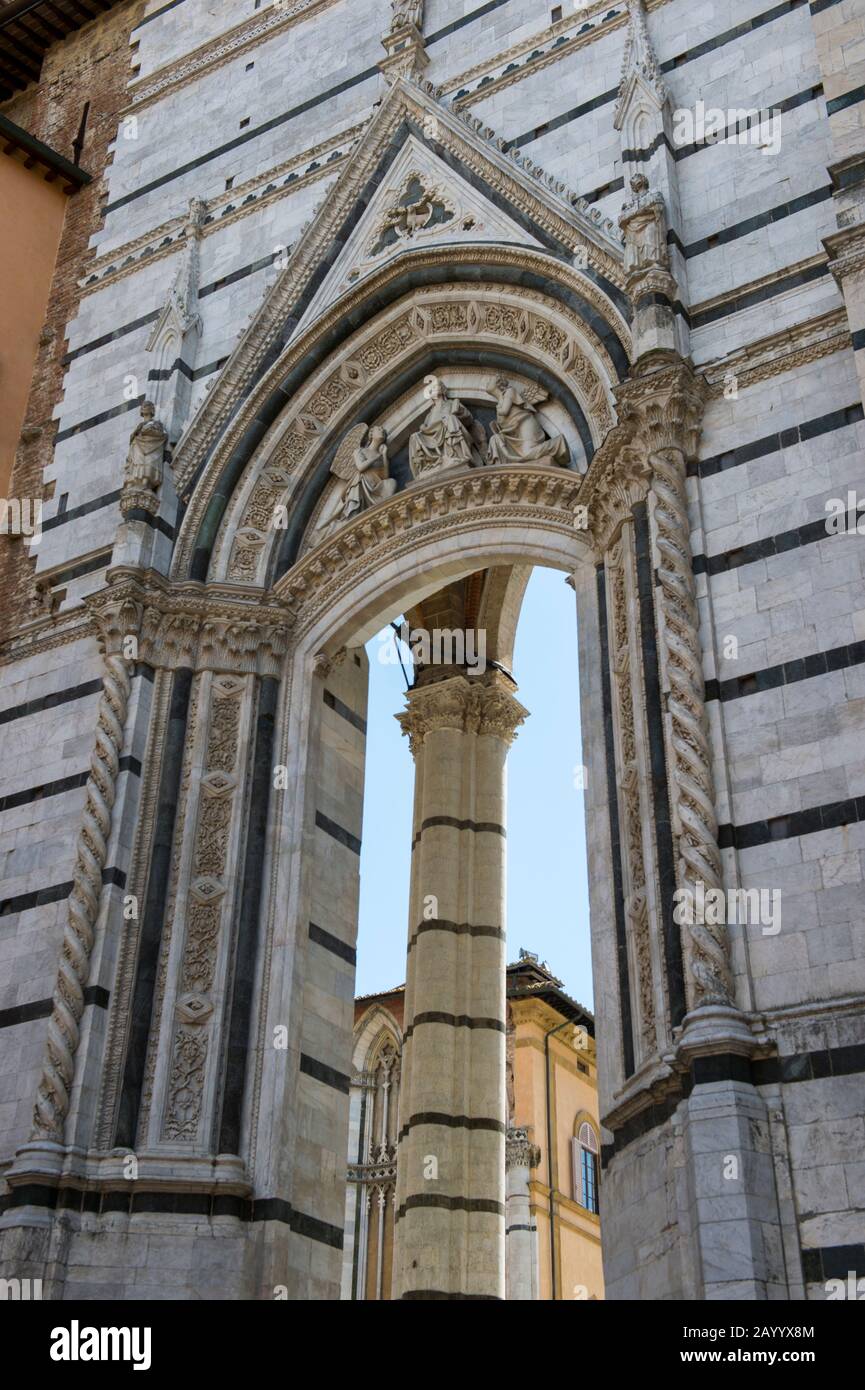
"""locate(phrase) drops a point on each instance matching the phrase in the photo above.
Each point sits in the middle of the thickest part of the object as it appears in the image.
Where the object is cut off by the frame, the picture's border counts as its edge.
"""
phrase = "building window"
(585, 1167)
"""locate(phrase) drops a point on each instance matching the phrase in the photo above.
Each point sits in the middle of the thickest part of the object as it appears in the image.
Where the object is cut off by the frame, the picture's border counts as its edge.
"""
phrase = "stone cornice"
(543, 59)
(846, 251)
(166, 239)
(192, 625)
(792, 347)
(221, 50)
(718, 301)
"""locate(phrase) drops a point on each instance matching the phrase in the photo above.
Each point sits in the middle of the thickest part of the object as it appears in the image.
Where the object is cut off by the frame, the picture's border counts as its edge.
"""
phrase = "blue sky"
(547, 883)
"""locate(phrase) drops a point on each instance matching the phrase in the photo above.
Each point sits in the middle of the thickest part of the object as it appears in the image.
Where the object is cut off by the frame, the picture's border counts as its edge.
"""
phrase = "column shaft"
(451, 1165)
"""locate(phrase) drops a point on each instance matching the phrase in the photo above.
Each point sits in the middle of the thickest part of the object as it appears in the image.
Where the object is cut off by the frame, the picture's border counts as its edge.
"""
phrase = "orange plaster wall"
(579, 1266)
(31, 220)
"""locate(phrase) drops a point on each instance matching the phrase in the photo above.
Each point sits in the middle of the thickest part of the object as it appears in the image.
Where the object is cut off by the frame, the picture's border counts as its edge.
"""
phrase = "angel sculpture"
(363, 469)
(448, 437)
(517, 434)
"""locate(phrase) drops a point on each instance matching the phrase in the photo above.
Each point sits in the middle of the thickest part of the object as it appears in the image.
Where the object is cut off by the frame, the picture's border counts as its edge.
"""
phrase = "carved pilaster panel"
(662, 405)
(207, 895)
(640, 898)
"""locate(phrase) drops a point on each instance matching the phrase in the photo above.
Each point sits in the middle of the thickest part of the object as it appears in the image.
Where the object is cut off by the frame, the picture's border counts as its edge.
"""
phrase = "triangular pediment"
(422, 202)
(420, 174)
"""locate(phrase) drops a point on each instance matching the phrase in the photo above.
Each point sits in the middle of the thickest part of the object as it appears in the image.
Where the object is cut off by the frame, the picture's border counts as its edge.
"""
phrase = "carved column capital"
(663, 403)
(619, 477)
(520, 1152)
(480, 706)
(176, 625)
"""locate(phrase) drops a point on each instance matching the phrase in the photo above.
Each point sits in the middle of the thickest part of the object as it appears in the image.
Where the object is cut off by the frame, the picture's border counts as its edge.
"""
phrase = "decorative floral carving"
(204, 913)
(186, 1084)
(482, 706)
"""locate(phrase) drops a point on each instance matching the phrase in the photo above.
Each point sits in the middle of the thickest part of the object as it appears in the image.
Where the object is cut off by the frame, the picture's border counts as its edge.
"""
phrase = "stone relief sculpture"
(517, 434)
(406, 12)
(361, 464)
(448, 437)
(144, 461)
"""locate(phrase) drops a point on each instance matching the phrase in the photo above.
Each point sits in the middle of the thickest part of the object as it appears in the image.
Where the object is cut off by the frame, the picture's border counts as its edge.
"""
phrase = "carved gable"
(420, 203)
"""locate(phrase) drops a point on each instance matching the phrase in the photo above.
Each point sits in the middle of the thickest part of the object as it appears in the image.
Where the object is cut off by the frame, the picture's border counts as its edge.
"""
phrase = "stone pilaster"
(450, 1219)
(406, 54)
(58, 1071)
(664, 405)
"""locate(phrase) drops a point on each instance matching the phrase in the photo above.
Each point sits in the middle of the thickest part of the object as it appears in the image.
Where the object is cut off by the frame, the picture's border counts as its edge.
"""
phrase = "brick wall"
(92, 65)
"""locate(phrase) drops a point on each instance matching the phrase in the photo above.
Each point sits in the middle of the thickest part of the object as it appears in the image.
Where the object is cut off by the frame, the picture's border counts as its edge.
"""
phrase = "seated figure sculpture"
(448, 437)
(363, 470)
(517, 434)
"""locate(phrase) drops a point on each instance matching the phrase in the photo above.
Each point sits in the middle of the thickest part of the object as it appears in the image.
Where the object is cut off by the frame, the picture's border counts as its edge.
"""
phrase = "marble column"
(450, 1217)
(522, 1238)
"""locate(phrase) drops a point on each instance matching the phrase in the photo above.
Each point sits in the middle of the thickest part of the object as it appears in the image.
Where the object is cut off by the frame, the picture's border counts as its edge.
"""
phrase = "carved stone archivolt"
(548, 210)
(526, 322)
(532, 497)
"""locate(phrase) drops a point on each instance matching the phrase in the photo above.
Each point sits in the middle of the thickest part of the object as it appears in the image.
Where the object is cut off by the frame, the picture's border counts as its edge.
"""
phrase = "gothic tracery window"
(375, 1175)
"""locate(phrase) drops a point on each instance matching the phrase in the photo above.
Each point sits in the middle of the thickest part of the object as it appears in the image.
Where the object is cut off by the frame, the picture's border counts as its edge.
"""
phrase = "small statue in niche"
(448, 437)
(143, 467)
(362, 466)
(517, 434)
(406, 12)
(644, 223)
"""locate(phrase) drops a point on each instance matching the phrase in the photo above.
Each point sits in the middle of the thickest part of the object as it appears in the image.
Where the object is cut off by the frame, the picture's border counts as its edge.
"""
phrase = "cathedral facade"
(362, 309)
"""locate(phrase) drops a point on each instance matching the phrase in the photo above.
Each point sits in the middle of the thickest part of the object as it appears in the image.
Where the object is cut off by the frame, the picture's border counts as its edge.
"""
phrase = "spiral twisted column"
(53, 1093)
(664, 404)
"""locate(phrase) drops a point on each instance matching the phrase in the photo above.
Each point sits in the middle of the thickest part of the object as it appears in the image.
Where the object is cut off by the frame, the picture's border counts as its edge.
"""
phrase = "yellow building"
(552, 1107)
